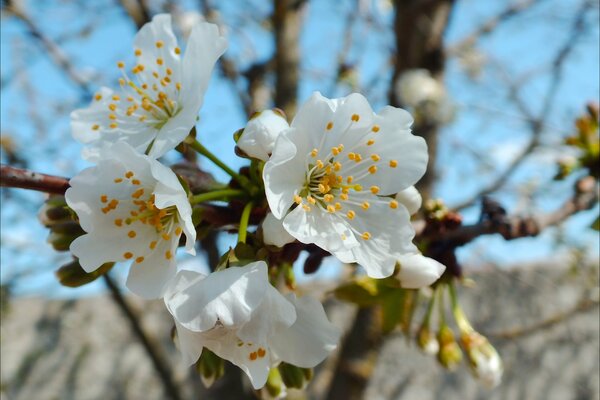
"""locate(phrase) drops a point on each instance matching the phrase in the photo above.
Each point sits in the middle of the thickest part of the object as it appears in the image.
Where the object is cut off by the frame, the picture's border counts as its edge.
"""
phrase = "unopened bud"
(484, 361)
(274, 388)
(210, 367)
(72, 275)
(449, 354)
(292, 376)
(54, 210)
(427, 341)
(63, 233)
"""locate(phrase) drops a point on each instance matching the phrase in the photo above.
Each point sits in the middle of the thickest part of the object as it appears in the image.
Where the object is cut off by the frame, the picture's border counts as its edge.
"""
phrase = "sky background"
(37, 97)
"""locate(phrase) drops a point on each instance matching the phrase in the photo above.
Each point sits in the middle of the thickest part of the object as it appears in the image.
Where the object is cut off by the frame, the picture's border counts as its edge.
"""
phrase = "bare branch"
(25, 179)
(537, 123)
(490, 25)
(54, 51)
(511, 334)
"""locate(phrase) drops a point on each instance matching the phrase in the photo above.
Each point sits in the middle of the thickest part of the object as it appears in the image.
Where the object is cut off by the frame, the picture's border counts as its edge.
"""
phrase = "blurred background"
(496, 88)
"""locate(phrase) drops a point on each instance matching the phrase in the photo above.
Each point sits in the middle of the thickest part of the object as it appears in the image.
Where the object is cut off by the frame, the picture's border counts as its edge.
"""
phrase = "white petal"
(273, 314)
(310, 339)
(274, 233)
(402, 157)
(205, 46)
(417, 271)
(228, 296)
(317, 226)
(256, 368)
(190, 344)
(150, 278)
(410, 198)
(391, 234)
(284, 173)
(259, 135)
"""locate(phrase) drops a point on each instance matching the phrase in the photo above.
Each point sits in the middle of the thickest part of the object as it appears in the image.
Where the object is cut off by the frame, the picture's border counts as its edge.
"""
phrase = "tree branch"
(537, 123)
(25, 179)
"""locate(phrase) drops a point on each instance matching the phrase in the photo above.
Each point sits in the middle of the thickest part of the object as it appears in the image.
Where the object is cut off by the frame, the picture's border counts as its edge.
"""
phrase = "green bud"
(292, 376)
(237, 135)
(449, 354)
(54, 210)
(274, 385)
(210, 367)
(72, 275)
(59, 241)
(288, 276)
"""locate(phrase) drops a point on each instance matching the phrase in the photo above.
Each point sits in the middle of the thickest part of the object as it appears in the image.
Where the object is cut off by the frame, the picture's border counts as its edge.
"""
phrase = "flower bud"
(484, 361)
(72, 275)
(427, 341)
(417, 86)
(410, 198)
(54, 210)
(210, 367)
(449, 354)
(274, 388)
(259, 135)
(292, 376)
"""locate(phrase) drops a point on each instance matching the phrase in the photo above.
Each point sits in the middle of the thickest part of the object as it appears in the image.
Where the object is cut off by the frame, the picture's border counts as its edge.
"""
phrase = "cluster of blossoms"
(340, 176)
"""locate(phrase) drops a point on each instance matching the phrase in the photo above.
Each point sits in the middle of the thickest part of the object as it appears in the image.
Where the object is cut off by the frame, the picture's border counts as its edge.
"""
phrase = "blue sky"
(485, 122)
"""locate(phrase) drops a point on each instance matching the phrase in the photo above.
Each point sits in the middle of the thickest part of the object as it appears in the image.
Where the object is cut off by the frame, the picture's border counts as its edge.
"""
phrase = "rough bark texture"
(84, 349)
(287, 23)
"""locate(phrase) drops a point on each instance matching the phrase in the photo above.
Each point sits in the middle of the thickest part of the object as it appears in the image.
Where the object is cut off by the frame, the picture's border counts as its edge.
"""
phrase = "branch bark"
(25, 179)
(287, 23)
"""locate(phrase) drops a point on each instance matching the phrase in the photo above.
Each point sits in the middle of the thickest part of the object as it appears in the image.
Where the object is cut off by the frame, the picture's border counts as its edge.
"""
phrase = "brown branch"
(585, 198)
(536, 123)
(137, 11)
(158, 360)
(25, 179)
(511, 334)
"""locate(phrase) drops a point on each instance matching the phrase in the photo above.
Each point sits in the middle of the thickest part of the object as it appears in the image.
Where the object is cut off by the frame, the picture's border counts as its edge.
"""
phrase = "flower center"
(140, 208)
(151, 96)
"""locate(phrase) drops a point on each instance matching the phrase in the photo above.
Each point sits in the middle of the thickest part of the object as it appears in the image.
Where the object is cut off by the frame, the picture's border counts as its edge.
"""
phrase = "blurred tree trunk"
(419, 27)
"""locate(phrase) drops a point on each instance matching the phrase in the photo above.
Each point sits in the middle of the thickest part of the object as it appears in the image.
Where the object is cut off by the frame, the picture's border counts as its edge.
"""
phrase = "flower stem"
(429, 311)
(216, 195)
(196, 145)
(459, 315)
(441, 305)
(244, 220)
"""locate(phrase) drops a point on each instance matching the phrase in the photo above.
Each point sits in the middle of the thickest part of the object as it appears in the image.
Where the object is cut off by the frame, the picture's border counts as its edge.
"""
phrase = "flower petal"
(410, 198)
(274, 233)
(229, 296)
(417, 271)
(150, 278)
(317, 226)
(310, 339)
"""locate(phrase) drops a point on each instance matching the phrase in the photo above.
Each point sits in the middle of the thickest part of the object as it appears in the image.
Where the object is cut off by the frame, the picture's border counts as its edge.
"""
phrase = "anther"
(393, 204)
(366, 236)
(375, 157)
(355, 117)
(350, 214)
(314, 153)
(131, 234)
(375, 128)
(139, 260)
(329, 126)
(393, 163)
(372, 169)
(374, 189)
(365, 205)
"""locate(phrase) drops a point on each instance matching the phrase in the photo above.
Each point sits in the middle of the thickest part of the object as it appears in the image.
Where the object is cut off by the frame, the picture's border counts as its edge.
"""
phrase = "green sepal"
(72, 275)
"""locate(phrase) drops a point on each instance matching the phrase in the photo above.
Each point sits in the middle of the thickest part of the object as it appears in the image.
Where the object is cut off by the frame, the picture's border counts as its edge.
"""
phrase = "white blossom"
(239, 316)
(160, 95)
(132, 208)
(274, 233)
(484, 360)
(410, 198)
(258, 138)
(416, 86)
(417, 271)
(330, 173)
